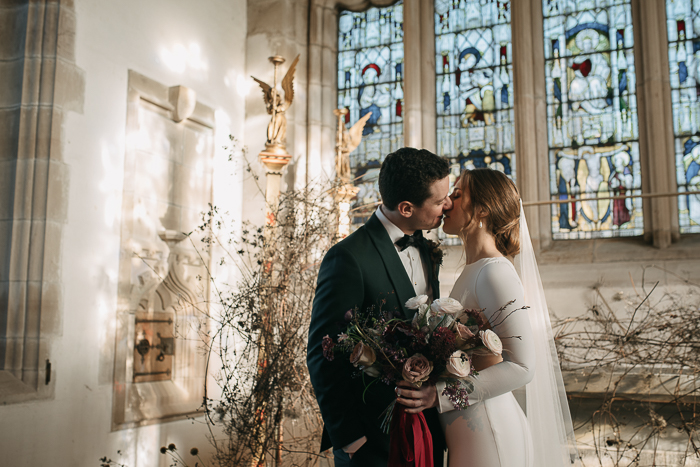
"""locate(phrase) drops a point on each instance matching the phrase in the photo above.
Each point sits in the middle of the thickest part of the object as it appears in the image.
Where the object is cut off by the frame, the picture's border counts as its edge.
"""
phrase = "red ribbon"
(411, 442)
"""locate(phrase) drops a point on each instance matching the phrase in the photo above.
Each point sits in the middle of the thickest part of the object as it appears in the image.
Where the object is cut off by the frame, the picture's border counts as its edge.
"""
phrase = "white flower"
(491, 341)
(459, 364)
(447, 306)
(415, 302)
(372, 371)
(419, 319)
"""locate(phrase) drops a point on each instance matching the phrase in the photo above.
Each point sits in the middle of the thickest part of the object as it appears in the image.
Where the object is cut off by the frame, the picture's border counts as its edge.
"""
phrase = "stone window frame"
(653, 94)
(43, 84)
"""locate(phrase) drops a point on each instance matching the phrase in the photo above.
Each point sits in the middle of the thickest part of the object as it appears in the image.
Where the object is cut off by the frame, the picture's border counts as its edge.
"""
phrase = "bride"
(489, 428)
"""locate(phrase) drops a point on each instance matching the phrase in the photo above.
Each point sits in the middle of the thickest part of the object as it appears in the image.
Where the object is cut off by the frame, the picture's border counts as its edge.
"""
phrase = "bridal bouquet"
(438, 343)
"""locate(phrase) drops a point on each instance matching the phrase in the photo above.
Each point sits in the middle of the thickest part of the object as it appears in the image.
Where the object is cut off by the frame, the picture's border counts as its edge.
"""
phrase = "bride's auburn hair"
(497, 195)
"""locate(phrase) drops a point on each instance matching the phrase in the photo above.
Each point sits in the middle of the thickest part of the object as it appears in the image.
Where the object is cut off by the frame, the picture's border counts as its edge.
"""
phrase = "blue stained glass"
(370, 79)
(592, 118)
(683, 26)
(474, 76)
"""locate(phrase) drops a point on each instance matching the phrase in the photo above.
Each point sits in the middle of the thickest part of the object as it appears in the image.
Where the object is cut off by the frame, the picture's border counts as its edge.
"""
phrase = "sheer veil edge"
(547, 407)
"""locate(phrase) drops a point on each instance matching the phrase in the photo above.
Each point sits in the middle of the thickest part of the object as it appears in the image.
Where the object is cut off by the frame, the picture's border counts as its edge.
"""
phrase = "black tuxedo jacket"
(361, 271)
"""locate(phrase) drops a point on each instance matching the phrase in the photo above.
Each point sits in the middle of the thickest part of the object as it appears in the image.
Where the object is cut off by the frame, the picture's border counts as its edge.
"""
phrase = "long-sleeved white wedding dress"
(493, 431)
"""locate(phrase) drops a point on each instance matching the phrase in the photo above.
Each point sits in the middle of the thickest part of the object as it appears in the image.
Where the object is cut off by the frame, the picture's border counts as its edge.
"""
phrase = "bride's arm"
(496, 285)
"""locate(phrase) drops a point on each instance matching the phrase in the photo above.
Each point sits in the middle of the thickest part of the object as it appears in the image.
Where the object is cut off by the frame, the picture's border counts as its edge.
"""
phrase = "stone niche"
(159, 363)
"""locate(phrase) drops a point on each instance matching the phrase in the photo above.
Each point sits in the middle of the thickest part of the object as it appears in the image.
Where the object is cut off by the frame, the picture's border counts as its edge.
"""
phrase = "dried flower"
(443, 343)
(163, 449)
(194, 451)
(328, 345)
(458, 393)
(171, 446)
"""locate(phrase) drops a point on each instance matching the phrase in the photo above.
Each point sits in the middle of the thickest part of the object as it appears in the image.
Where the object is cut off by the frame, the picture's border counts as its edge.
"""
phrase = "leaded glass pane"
(684, 62)
(592, 118)
(474, 76)
(370, 79)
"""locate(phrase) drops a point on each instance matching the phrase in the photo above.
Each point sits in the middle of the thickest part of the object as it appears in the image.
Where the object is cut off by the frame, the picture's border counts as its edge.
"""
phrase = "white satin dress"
(493, 431)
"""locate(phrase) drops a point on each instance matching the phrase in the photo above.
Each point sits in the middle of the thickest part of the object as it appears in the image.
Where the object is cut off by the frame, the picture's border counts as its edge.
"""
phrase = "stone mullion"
(427, 66)
(655, 120)
(530, 114)
(329, 93)
(315, 87)
(412, 118)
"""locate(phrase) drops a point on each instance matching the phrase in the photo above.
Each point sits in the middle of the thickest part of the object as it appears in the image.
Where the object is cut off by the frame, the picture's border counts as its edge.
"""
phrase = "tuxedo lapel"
(394, 267)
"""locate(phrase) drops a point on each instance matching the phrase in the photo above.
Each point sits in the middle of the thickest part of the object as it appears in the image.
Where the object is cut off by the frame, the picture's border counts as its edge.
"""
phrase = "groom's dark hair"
(407, 174)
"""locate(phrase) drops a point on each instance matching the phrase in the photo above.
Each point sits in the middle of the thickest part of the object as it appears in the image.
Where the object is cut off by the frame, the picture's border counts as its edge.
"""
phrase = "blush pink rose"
(463, 331)
(417, 369)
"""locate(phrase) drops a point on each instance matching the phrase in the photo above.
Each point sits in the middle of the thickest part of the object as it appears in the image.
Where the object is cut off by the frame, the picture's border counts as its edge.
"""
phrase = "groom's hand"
(416, 400)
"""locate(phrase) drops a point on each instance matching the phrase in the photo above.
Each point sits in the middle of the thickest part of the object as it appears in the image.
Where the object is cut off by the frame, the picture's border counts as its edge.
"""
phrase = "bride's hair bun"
(497, 195)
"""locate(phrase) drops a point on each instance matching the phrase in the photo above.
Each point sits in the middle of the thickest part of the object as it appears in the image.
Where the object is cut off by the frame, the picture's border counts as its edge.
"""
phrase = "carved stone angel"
(277, 128)
(348, 141)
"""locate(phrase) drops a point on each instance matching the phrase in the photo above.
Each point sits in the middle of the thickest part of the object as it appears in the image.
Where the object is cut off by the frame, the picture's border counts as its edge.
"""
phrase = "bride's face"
(460, 215)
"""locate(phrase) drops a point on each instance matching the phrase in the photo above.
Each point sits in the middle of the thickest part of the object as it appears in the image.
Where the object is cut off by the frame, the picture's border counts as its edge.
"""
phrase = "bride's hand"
(415, 399)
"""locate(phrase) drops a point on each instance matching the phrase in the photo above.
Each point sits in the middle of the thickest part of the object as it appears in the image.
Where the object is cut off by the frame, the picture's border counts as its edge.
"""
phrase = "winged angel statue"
(277, 128)
(347, 142)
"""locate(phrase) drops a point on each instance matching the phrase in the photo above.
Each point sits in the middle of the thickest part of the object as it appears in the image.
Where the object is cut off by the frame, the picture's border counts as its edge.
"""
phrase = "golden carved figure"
(277, 128)
(346, 142)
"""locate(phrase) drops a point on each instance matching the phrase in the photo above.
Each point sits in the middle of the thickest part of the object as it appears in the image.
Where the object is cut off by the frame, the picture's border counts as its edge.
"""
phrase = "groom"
(383, 263)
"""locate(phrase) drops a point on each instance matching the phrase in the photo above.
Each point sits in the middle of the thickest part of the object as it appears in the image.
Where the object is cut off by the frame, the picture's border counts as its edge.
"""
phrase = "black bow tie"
(416, 240)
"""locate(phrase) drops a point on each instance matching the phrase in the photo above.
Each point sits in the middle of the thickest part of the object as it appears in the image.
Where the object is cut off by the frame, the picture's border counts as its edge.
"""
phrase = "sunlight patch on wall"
(180, 58)
(111, 186)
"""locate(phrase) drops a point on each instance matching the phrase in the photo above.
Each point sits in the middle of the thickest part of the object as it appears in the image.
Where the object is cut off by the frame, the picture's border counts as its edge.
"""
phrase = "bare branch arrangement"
(267, 409)
(632, 367)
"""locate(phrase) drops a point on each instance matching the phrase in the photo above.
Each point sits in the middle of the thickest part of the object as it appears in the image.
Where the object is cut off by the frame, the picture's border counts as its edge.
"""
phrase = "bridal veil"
(547, 407)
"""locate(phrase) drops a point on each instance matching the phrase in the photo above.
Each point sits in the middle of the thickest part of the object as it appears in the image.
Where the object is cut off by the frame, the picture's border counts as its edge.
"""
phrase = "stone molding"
(40, 84)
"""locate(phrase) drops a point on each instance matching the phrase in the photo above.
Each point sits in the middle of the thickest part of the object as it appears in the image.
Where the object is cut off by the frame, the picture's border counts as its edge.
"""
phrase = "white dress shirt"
(410, 257)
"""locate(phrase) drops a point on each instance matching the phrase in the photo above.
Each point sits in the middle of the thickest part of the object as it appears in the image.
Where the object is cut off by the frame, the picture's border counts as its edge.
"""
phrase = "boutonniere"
(436, 255)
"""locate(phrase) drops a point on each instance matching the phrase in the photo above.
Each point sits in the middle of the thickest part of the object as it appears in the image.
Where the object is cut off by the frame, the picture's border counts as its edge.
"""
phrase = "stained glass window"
(684, 60)
(592, 118)
(370, 79)
(474, 76)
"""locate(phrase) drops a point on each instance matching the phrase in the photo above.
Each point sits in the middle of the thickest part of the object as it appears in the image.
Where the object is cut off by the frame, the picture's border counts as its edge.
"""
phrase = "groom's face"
(429, 215)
